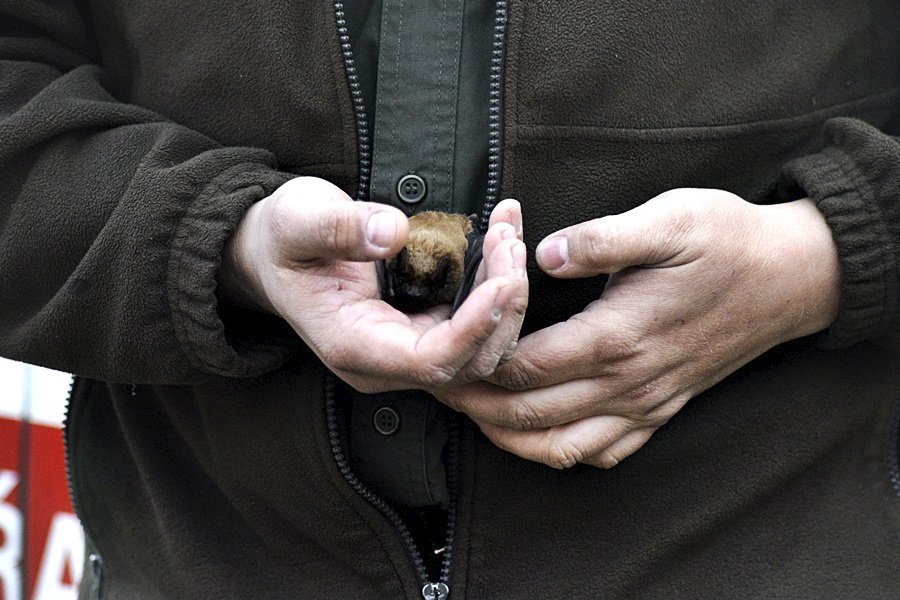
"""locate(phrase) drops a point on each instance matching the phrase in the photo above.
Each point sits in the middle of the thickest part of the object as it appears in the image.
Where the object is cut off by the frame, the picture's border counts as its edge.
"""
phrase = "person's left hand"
(702, 282)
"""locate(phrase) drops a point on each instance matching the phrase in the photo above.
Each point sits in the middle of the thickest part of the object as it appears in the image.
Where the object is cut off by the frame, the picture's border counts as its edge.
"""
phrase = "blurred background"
(41, 542)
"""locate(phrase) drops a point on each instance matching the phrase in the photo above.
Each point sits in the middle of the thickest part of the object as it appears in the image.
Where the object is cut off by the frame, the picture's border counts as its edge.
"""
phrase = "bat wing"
(385, 281)
(470, 269)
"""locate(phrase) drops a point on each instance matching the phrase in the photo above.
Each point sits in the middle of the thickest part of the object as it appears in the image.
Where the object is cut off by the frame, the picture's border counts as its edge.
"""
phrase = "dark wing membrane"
(385, 281)
(472, 262)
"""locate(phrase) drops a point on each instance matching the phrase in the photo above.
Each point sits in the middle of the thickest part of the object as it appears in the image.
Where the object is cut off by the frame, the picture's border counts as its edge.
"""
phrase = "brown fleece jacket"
(134, 134)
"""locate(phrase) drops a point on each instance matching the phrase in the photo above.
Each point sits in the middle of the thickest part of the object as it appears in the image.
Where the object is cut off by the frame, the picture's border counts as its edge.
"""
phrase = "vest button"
(411, 189)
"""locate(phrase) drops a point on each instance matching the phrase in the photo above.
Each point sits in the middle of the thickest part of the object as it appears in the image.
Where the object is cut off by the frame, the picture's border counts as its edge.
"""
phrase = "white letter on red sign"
(11, 537)
(65, 543)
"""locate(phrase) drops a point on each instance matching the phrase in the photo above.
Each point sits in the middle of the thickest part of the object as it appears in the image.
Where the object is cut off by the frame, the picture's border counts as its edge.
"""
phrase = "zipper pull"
(435, 591)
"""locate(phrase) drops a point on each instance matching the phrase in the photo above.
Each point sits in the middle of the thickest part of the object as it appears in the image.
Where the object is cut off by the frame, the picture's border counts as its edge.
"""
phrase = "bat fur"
(432, 266)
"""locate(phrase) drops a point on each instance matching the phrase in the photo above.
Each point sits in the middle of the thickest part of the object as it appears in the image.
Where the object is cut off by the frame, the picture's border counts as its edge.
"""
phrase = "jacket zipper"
(894, 450)
(359, 107)
(96, 562)
(495, 110)
(495, 127)
(430, 590)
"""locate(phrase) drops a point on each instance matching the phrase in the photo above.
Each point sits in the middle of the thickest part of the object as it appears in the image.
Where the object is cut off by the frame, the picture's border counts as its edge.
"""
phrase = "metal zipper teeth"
(66, 429)
(96, 562)
(492, 193)
(453, 473)
(337, 450)
(894, 451)
(364, 152)
(496, 107)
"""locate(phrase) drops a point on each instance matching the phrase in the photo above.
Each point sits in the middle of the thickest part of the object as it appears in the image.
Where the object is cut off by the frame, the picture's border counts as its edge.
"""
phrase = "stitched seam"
(396, 94)
(440, 89)
(454, 106)
(871, 102)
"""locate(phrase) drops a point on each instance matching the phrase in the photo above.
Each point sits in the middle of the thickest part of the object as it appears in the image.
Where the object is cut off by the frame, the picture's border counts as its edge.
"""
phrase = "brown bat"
(437, 266)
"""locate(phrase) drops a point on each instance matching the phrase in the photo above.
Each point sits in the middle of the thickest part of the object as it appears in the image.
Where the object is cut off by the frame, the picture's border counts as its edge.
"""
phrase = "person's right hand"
(304, 253)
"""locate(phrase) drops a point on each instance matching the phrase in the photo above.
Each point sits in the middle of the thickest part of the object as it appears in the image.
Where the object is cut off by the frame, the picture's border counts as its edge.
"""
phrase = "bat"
(437, 265)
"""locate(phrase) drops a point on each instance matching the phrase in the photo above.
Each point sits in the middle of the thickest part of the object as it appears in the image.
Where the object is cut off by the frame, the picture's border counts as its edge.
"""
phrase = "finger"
(508, 211)
(407, 355)
(450, 345)
(564, 446)
(505, 223)
(585, 346)
(314, 219)
(647, 235)
(544, 407)
(415, 359)
(495, 236)
(621, 449)
(508, 260)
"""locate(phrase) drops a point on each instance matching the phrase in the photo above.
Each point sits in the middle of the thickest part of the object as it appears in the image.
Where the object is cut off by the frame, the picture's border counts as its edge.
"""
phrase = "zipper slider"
(435, 591)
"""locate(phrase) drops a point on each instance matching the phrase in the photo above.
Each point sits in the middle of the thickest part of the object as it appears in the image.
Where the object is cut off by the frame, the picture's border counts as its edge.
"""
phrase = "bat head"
(415, 280)
(429, 270)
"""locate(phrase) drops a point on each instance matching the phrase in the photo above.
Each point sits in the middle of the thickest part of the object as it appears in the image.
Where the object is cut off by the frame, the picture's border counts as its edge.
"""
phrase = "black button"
(411, 189)
(386, 420)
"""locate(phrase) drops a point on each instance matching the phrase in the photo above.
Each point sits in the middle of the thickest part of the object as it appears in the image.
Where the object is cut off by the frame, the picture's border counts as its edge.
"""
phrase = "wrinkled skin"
(306, 254)
(702, 282)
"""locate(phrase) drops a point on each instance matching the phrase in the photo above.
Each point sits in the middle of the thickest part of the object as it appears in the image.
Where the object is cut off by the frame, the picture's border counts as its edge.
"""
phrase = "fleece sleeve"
(113, 219)
(855, 182)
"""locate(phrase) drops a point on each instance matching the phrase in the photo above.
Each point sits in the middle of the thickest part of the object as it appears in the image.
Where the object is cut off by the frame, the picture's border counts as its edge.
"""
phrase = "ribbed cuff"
(846, 197)
(197, 250)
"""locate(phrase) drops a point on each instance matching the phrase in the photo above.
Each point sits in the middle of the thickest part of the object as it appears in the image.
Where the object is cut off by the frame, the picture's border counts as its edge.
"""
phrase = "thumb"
(646, 235)
(314, 219)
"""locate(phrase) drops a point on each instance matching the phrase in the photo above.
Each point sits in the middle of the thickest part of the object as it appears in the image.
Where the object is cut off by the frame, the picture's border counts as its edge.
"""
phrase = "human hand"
(702, 282)
(304, 253)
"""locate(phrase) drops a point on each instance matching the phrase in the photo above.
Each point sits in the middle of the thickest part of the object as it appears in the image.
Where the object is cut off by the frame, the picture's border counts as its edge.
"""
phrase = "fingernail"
(553, 253)
(381, 229)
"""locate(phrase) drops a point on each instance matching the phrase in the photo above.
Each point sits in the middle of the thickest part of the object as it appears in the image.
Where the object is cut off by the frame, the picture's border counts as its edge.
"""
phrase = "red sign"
(41, 542)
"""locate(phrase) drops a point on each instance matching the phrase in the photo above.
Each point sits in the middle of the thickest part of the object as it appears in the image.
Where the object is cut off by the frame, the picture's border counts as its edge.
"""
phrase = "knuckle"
(337, 228)
(678, 223)
(642, 394)
(481, 337)
(518, 374)
(607, 460)
(508, 353)
(595, 240)
(617, 348)
(665, 409)
(519, 304)
(435, 376)
(523, 416)
(482, 368)
(562, 454)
